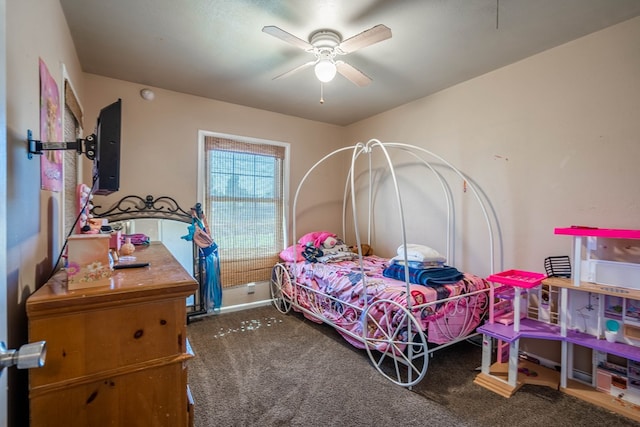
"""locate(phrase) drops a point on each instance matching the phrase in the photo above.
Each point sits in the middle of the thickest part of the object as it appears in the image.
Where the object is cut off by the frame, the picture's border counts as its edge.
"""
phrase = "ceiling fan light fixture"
(325, 70)
(325, 45)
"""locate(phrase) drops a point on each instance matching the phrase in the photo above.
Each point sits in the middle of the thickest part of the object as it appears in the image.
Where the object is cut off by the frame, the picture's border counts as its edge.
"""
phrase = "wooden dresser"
(116, 355)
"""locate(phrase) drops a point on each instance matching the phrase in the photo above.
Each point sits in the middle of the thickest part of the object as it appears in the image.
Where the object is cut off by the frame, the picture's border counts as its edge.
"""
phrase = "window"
(245, 201)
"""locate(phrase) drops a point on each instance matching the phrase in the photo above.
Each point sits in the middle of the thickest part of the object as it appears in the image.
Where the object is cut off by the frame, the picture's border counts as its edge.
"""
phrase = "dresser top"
(164, 278)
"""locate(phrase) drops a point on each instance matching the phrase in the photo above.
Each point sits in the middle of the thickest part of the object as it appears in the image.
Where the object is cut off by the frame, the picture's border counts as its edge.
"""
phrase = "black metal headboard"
(135, 207)
(164, 207)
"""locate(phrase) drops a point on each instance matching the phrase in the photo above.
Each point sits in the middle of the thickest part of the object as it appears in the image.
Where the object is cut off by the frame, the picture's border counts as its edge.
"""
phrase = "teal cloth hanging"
(208, 260)
(213, 288)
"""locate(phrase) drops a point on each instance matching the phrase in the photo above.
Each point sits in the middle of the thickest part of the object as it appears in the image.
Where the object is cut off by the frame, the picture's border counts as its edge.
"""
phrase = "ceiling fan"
(326, 45)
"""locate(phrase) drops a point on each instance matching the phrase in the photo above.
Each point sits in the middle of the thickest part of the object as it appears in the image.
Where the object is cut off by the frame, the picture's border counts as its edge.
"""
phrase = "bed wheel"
(395, 342)
(280, 288)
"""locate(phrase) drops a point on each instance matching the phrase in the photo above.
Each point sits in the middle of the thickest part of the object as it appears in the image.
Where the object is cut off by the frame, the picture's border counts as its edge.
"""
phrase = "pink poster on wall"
(50, 131)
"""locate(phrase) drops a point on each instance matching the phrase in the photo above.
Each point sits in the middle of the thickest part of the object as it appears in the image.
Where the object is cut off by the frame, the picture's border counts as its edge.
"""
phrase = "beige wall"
(35, 29)
(553, 140)
(160, 143)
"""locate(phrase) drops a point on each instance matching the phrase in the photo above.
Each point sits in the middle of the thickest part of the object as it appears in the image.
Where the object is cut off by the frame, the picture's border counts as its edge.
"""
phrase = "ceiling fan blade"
(287, 37)
(295, 70)
(366, 38)
(353, 74)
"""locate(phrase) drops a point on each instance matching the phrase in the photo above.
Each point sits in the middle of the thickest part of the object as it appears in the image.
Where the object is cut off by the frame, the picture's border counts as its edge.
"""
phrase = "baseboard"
(232, 308)
(245, 306)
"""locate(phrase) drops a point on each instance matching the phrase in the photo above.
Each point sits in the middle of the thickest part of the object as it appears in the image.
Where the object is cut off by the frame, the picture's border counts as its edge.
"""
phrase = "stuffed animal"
(366, 249)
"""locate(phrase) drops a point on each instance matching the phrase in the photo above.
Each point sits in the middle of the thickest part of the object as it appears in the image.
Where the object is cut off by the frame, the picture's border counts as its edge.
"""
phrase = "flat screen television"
(101, 147)
(106, 149)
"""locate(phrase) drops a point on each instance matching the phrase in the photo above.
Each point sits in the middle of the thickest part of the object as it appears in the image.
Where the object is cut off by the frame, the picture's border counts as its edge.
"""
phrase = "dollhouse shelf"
(528, 329)
(507, 286)
(613, 273)
(519, 278)
(535, 329)
(594, 288)
(616, 391)
(609, 233)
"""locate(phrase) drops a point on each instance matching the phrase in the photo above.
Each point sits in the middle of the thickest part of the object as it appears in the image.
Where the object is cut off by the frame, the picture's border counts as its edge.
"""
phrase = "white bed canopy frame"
(405, 360)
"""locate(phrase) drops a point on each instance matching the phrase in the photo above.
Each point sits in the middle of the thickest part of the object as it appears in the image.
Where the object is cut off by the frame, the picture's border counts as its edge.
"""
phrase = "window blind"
(71, 159)
(244, 205)
(70, 169)
(71, 101)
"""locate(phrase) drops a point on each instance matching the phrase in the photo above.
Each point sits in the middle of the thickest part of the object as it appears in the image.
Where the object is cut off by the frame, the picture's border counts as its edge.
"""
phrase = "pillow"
(316, 238)
(417, 252)
(330, 242)
(292, 253)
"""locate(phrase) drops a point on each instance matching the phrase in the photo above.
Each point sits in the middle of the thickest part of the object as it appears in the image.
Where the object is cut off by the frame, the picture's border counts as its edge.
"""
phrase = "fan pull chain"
(321, 93)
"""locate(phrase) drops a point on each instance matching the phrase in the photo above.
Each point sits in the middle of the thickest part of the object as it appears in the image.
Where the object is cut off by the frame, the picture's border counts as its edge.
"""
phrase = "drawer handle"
(139, 333)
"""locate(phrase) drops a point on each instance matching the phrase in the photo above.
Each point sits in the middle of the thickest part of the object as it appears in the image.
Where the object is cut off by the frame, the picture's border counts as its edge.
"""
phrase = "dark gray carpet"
(262, 368)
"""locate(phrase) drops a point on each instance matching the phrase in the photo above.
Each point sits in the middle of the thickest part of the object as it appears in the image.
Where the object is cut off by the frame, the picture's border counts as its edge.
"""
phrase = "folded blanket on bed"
(427, 276)
(417, 264)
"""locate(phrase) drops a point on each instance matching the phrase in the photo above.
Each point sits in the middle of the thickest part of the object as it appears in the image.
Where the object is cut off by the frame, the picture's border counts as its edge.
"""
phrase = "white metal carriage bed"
(398, 312)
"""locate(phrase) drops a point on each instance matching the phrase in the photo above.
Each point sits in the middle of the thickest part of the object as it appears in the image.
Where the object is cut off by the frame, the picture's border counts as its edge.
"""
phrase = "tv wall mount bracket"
(89, 143)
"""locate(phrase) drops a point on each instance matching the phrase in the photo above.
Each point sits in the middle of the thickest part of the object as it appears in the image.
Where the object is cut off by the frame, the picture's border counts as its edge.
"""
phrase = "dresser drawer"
(147, 398)
(108, 340)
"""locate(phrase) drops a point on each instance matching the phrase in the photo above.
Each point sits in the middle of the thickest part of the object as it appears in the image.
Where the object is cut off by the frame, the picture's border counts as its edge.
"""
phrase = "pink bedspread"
(443, 322)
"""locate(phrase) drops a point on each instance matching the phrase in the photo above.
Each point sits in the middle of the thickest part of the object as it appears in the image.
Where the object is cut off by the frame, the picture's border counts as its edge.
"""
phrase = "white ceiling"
(216, 48)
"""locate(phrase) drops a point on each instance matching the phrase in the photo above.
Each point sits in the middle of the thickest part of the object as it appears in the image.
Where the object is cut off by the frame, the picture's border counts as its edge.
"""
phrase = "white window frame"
(286, 170)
